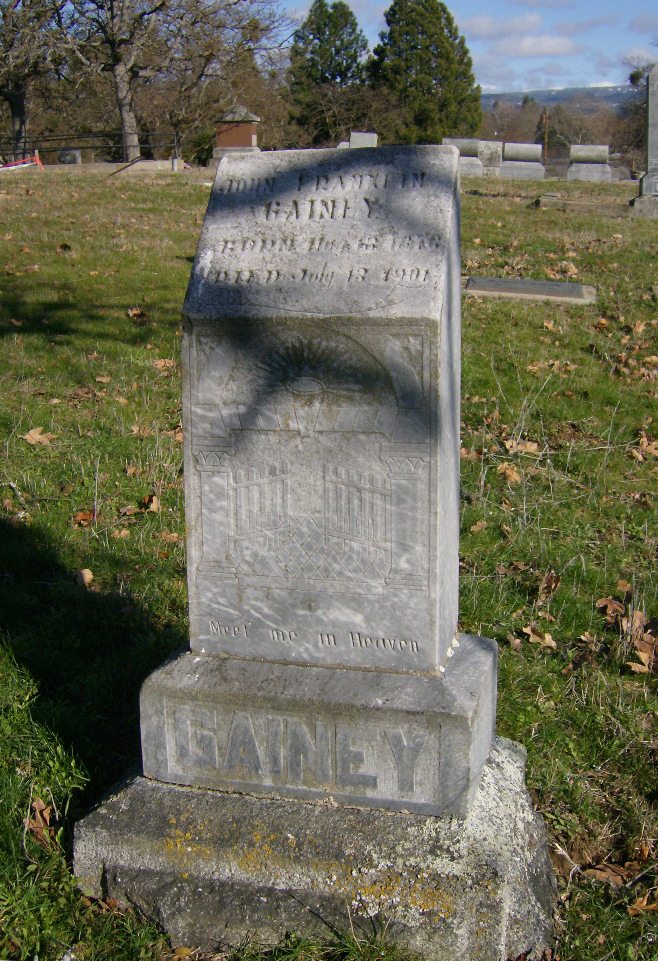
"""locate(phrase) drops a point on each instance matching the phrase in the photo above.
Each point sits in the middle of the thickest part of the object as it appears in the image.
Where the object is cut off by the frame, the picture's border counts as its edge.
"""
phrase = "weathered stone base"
(646, 206)
(408, 741)
(213, 868)
(522, 170)
(595, 173)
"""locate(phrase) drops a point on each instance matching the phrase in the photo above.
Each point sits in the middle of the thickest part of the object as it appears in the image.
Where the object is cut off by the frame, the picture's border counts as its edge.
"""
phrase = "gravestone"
(589, 162)
(326, 747)
(647, 201)
(490, 152)
(70, 155)
(522, 161)
(470, 164)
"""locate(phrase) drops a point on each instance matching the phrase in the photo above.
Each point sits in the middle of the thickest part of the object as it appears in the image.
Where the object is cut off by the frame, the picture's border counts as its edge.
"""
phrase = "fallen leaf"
(151, 503)
(170, 538)
(537, 636)
(548, 586)
(609, 873)
(478, 526)
(467, 454)
(176, 434)
(83, 577)
(127, 511)
(647, 903)
(131, 469)
(624, 586)
(120, 533)
(514, 641)
(612, 607)
(37, 436)
(509, 472)
(39, 826)
(83, 519)
(140, 431)
(136, 313)
(15, 323)
(183, 952)
(164, 364)
(521, 446)
(103, 379)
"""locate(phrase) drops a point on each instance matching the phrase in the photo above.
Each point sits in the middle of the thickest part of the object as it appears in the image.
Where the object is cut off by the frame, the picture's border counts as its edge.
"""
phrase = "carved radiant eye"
(305, 385)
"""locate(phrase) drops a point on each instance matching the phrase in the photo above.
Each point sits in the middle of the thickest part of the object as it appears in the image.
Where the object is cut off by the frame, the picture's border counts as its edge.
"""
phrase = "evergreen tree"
(326, 60)
(424, 60)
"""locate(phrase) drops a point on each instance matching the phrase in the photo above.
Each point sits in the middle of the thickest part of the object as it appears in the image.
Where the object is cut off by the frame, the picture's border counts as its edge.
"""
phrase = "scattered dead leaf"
(521, 446)
(141, 431)
(164, 365)
(169, 537)
(103, 379)
(647, 903)
(509, 472)
(83, 519)
(120, 533)
(514, 641)
(537, 636)
(83, 577)
(613, 874)
(39, 825)
(151, 503)
(548, 585)
(479, 526)
(37, 436)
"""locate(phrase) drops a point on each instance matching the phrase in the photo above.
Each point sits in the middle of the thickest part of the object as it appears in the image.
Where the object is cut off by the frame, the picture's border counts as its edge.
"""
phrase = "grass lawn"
(559, 543)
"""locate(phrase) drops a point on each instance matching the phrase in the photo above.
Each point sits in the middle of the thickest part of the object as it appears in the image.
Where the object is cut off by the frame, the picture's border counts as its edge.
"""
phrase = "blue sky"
(535, 44)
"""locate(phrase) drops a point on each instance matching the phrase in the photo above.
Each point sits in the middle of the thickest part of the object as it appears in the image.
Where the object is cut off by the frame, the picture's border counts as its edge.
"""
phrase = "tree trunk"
(129, 129)
(17, 100)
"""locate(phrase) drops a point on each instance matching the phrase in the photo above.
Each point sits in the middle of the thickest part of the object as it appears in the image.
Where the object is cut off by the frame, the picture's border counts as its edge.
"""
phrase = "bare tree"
(29, 48)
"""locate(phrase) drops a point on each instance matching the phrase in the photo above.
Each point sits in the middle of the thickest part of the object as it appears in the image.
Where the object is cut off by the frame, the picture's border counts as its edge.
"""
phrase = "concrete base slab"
(646, 206)
(214, 867)
(595, 173)
(522, 170)
(516, 288)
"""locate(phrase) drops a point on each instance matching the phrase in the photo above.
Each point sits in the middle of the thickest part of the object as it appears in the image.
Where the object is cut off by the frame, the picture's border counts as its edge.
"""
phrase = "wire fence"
(88, 147)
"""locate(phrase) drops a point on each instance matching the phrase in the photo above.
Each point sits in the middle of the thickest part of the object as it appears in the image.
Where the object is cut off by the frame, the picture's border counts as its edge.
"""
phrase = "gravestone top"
(321, 410)
(312, 233)
(589, 153)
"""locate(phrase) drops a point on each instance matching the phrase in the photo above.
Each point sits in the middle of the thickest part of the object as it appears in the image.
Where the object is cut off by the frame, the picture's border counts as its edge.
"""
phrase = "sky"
(539, 44)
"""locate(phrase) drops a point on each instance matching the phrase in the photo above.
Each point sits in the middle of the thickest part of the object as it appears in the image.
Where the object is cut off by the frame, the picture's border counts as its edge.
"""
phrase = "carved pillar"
(215, 512)
(408, 560)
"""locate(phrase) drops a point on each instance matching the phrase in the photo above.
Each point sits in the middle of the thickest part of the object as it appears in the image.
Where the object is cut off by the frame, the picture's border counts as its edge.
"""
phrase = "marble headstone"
(321, 365)
(321, 418)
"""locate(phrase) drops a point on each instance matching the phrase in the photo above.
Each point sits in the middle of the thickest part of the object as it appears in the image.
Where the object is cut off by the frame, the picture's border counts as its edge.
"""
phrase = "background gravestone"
(321, 417)
(647, 202)
(589, 162)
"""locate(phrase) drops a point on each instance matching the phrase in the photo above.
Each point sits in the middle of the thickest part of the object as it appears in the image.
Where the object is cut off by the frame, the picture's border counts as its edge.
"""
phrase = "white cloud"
(545, 4)
(494, 74)
(646, 23)
(486, 27)
(540, 45)
(572, 29)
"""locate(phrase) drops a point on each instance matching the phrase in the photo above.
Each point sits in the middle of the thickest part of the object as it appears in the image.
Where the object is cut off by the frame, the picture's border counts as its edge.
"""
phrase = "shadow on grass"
(59, 310)
(88, 651)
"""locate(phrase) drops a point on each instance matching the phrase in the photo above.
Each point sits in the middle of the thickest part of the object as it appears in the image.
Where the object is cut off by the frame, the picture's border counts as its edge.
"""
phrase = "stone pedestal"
(522, 170)
(212, 867)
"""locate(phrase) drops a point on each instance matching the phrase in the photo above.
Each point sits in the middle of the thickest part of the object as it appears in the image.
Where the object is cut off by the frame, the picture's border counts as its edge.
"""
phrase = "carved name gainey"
(265, 747)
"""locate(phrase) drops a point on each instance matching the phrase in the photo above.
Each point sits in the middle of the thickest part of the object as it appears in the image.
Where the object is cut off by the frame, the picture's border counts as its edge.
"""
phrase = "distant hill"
(584, 98)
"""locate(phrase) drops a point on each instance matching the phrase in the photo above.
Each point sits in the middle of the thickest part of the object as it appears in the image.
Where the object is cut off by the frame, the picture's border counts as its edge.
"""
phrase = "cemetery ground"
(559, 539)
